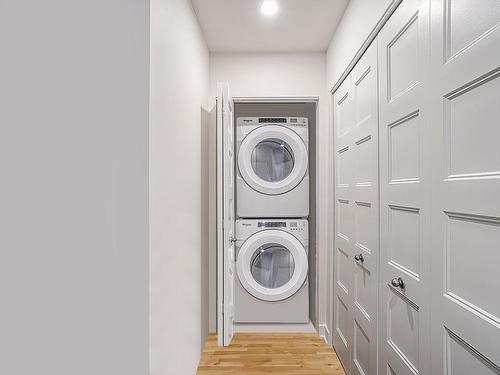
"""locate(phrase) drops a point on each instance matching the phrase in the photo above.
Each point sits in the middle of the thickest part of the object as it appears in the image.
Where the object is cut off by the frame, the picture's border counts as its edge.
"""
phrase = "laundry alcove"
(300, 108)
(306, 108)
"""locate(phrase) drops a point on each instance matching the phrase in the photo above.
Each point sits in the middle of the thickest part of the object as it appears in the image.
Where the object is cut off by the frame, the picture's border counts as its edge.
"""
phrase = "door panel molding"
(404, 314)
(356, 217)
(465, 71)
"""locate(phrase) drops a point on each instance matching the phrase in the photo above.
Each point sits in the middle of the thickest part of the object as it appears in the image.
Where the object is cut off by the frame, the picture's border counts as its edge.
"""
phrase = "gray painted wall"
(74, 85)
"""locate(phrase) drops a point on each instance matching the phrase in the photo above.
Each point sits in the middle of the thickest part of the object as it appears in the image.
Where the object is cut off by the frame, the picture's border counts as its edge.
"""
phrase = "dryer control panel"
(245, 125)
(259, 121)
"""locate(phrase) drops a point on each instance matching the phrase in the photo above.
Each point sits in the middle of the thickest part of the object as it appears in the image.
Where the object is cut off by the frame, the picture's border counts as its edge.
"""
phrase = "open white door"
(225, 216)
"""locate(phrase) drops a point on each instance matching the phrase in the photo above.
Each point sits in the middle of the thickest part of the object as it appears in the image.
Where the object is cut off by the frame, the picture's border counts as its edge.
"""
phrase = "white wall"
(282, 75)
(179, 87)
(359, 19)
(74, 235)
(269, 74)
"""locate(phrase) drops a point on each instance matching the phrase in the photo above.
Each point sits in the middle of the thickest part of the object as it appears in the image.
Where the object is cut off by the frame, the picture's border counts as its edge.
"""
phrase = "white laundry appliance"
(272, 174)
(272, 268)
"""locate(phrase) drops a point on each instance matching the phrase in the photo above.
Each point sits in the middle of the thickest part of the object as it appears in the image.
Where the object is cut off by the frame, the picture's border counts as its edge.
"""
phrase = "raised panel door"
(404, 300)
(465, 70)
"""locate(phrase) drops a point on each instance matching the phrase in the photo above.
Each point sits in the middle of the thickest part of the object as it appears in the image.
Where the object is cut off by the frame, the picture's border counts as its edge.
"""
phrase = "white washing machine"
(272, 177)
(272, 267)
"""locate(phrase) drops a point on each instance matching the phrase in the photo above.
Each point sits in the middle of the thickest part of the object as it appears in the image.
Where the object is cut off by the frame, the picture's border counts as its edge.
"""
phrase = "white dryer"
(272, 174)
(272, 267)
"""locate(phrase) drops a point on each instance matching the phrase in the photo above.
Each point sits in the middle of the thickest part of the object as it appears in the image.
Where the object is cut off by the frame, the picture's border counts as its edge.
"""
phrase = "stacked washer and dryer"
(272, 205)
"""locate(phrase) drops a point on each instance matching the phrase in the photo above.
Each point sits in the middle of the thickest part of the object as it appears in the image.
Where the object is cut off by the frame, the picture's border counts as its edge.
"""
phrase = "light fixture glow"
(269, 7)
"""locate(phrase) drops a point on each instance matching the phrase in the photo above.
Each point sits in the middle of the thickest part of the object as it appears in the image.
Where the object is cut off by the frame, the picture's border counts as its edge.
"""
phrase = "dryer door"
(272, 265)
(272, 159)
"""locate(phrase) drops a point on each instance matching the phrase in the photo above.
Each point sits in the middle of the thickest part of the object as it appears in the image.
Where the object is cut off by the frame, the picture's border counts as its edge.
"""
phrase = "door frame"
(322, 202)
(224, 235)
(366, 44)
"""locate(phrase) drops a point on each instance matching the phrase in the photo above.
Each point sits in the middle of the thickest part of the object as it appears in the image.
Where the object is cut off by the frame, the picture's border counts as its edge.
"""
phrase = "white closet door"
(403, 50)
(466, 187)
(356, 115)
(365, 212)
(344, 226)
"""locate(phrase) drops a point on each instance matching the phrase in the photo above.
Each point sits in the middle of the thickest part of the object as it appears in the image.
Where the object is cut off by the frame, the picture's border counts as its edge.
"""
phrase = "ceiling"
(239, 26)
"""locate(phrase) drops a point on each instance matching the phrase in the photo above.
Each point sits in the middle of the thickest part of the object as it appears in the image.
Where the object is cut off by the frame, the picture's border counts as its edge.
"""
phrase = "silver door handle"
(398, 282)
(359, 258)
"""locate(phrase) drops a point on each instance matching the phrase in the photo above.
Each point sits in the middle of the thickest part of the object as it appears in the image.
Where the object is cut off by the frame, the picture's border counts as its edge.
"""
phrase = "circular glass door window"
(272, 160)
(272, 265)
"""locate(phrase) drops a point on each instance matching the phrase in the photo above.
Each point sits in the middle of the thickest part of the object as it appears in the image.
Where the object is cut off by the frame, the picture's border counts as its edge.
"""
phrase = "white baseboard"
(324, 333)
(279, 327)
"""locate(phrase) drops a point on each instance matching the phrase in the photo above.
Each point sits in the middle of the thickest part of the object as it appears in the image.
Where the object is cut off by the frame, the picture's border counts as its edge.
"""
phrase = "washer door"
(272, 159)
(272, 265)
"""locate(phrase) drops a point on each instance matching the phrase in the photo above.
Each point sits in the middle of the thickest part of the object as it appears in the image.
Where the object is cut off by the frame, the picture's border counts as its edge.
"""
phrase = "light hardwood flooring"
(270, 353)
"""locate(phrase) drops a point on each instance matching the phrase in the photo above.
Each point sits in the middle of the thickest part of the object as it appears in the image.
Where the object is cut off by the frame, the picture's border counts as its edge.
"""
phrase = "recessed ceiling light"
(269, 7)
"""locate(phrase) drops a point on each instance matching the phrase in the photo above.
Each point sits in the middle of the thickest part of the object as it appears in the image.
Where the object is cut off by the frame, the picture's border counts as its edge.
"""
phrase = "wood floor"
(270, 353)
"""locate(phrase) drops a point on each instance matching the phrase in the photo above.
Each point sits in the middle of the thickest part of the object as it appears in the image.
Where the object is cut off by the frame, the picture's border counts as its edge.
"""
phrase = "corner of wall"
(179, 250)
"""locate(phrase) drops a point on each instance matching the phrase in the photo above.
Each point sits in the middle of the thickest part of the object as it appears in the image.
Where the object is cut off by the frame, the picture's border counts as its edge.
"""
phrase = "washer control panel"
(246, 227)
(271, 224)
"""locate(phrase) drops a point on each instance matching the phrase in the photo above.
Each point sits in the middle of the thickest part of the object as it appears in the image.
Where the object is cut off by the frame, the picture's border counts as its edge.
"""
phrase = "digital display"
(272, 119)
(272, 224)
